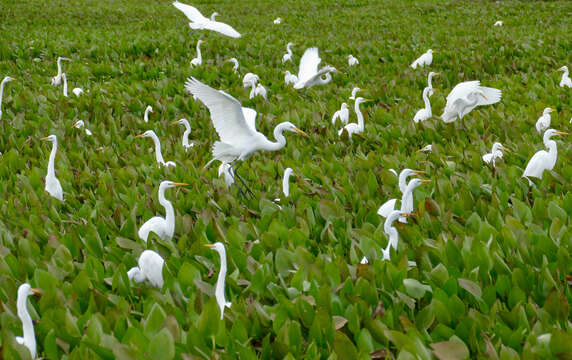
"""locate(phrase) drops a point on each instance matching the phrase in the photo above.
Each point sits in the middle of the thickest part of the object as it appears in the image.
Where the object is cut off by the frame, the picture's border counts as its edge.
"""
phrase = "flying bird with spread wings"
(199, 22)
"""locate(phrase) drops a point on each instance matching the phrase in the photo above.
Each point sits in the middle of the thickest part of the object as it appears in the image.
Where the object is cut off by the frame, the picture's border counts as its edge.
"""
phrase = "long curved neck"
(288, 49)
(359, 115)
(426, 101)
(64, 78)
(186, 134)
(392, 234)
(59, 67)
(253, 91)
(326, 80)
(2, 90)
(199, 50)
(146, 116)
(429, 80)
(552, 150)
(52, 161)
(27, 325)
(407, 199)
(169, 210)
(280, 140)
(219, 289)
(158, 153)
(402, 183)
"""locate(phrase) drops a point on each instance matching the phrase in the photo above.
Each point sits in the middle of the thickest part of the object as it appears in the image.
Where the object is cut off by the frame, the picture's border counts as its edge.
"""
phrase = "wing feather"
(222, 28)
(250, 117)
(493, 95)
(191, 12)
(309, 64)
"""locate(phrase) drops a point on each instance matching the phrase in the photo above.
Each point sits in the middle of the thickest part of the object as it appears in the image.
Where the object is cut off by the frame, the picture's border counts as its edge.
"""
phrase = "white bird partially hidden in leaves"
(290, 78)
(389, 205)
(565, 81)
(57, 80)
(65, 88)
(286, 181)
(430, 77)
(185, 123)
(148, 110)
(163, 227)
(465, 97)
(498, 23)
(354, 93)
(423, 60)
(543, 122)
(80, 125)
(239, 138)
(6, 79)
(226, 170)
(406, 200)
(234, 61)
(29, 338)
(391, 232)
(219, 288)
(426, 148)
(53, 186)
(343, 114)
(158, 154)
(543, 160)
(198, 60)
(352, 61)
(199, 22)
(496, 153)
(309, 75)
(277, 21)
(77, 91)
(353, 128)
(249, 79)
(150, 268)
(425, 113)
(288, 55)
(260, 91)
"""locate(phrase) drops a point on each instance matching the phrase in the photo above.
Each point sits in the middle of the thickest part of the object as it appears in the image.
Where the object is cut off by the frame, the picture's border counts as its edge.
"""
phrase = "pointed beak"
(180, 184)
(301, 132)
(367, 100)
(420, 150)
(436, 74)
(66, 59)
(552, 110)
(435, 90)
(561, 69)
(12, 79)
(45, 138)
(174, 122)
(505, 149)
(140, 135)
(37, 292)
(425, 181)
(406, 214)
(210, 246)
(418, 172)
(561, 133)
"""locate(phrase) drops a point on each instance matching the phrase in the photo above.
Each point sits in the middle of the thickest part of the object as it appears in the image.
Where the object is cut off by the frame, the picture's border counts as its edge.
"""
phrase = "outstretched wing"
(463, 89)
(309, 64)
(222, 28)
(492, 95)
(250, 117)
(191, 12)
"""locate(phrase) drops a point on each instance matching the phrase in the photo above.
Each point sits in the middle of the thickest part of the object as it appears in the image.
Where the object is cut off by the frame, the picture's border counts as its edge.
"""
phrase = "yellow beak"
(561, 133)
(418, 171)
(45, 138)
(435, 90)
(436, 74)
(552, 110)
(209, 245)
(174, 122)
(406, 214)
(140, 135)
(367, 100)
(505, 149)
(36, 291)
(180, 184)
(301, 132)
(425, 181)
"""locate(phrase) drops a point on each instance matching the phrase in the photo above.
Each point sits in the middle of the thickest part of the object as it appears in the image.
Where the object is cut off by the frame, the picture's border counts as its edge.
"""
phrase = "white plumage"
(430, 77)
(565, 81)
(352, 61)
(150, 268)
(465, 97)
(158, 154)
(496, 153)
(424, 113)
(354, 93)
(290, 78)
(57, 80)
(543, 122)
(53, 186)
(199, 22)
(29, 338)
(148, 110)
(4, 81)
(543, 160)
(163, 227)
(219, 289)
(198, 60)
(80, 125)
(343, 114)
(425, 59)
(234, 61)
(286, 182)
(308, 75)
(186, 144)
(406, 200)
(288, 55)
(353, 128)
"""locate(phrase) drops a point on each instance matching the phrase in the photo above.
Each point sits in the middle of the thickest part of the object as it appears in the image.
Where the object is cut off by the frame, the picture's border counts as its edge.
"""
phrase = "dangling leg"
(235, 175)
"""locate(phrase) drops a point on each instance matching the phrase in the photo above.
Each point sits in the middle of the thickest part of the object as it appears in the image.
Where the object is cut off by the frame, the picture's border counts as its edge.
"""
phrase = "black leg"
(236, 176)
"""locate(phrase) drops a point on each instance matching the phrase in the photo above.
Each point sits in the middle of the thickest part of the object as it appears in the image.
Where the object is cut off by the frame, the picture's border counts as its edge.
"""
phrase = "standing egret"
(57, 80)
(286, 182)
(465, 97)
(290, 78)
(150, 268)
(425, 113)
(496, 153)
(543, 122)
(199, 22)
(260, 91)
(77, 91)
(234, 61)
(406, 200)
(288, 55)
(163, 227)
(430, 78)
(343, 114)
(219, 289)
(425, 59)
(352, 60)
(79, 125)
(65, 88)
(391, 232)
(354, 93)
(426, 148)
(4, 81)
(498, 23)
(389, 205)
(277, 21)
(148, 110)
(353, 128)
(308, 75)
(53, 186)
(158, 154)
(565, 81)
(226, 170)
(186, 134)
(238, 136)
(543, 160)
(29, 338)
(249, 79)
(198, 60)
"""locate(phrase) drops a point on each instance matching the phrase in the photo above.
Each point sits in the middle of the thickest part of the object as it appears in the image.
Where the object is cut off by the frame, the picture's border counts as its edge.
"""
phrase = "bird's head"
(417, 182)
(360, 100)
(78, 124)
(148, 133)
(433, 74)
(149, 108)
(288, 126)
(429, 51)
(179, 122)
(552, 132)
(409, 172)
(201, 41)
(170, 184)
(548, 111)
(8, 79)
(217, 246)
(563, 68)
(64, 58)
(498, 146)
(291, 44)
(213, 15)
(344, 105)
(426, 148)
(51, 138)
(26, 290)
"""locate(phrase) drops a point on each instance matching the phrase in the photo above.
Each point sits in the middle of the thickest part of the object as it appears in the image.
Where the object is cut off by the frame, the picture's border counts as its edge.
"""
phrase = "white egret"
(426, 148)
(277, 21)
(4, 81)
(425, 59)
(29, 338)
(389, 205)
(79, 125)
(353, 128)
(77, 91)
(406, 200)
(158, 154)
(393, 172)
(199, 22)
(391, 232)
(226, 170)
(150, 268)
(286, 182)
(465, 97)
(238, 135)
(496, 153)
(343, 114)
(308, 75)
(354, 93)
(430, 77)
(565, 81)
(543, 122)
(425, 113)
(543, 160)
(352, 61)
(148, 110)
(198, 60)
(219, 288)
(288, 55)
(65, 80)
(498, 23)
(163, 227)
(57, 80)
(186, 134)
(260, 91)
(249, 79)
(290, 78)
(213, 15)
(234, 61)
(53, 186)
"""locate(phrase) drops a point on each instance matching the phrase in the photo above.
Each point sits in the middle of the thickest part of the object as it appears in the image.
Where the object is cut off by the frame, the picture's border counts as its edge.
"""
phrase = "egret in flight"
(234, 61)
(288, 55)
(186, 134)
(496, 153)
(53, 186)
(57, 80)
(199, 22)
(308, 75)
(425, 59)
(353, 128)
(430, 77)
(352, 61)
(80, 125)
(465, 97)
(198, 60)
(150, 268)
(343, 114)
(565, 81)
(219, 289)
(543, 160)
(406, 200)
(543, 122)
(290, 78)
(29, 338)
(163, 227)
(148, 110)
(425, 113)
(158, 154)
(354, 93)
(4, 81)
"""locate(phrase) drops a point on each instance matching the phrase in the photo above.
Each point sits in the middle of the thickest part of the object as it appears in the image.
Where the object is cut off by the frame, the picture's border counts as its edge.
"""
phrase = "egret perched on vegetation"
(425, 113)
(57, 80)
(286, 182)
(498, 23)
(430, 77)
(565, 81)
(4, 81)
(308, 75)
(65, 87)
(198, 60)
(288, 55)
(352, 61)
(199, 22)
(226, 170)
(163, 227)
(353, 128)
(389, 205)
(543, 122)
(148, 110)
(150, 268)
(219, 289)
(426, 148)
(425, 59)
(496, 153)
(186, 134)
(465, 97)
(234, 61)
(53, 186)
(343, 114)
(354, 93)
(543, 160)
(406, 200)
(80, 125)
(29, 338)
(158, 154)
(290, 78)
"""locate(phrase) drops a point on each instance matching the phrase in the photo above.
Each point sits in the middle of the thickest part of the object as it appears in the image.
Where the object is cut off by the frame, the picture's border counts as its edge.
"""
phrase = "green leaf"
(415, 289)
(450, 350)
(471, 287)
(162, 346)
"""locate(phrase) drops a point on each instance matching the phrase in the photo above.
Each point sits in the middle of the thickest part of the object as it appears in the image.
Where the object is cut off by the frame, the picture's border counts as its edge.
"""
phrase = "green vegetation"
(493, 256)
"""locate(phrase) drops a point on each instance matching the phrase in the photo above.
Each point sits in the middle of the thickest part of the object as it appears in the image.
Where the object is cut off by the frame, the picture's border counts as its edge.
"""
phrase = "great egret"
(53, 186)
(426, 148)
(79, 125)
(249, 79)
(148, 110)
(498, 23)
(57, 80)
(354, 93)
(290, 78)
(425, 59)
(406, 200)
(565, 81)
(465, 97)
(286, 182)
(260, 91)
(234, 61)
(199, 22)
(226, 170)
(352, 60)
(238, 135)
(4, 81)
(389, 205)
(288, 55)
(496, 153)
(65, 88)
(353, 128)
(430, 77)
(425, 113)
(343, 114)
(277, 21)
(543, 160)
(77, 91)
(543, 122)
(308, 75)
(150, 268)
(219, 289)
(391, 233)
(29, 338)
(163, 227)
(186, 134)
(198, 60)
(158, 154)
